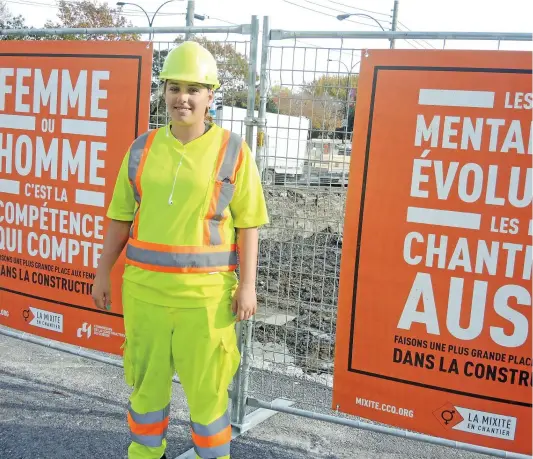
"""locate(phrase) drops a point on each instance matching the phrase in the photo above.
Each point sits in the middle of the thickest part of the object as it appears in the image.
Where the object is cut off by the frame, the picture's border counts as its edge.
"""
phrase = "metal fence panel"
(308, 93)
(235, 49)
(304, 160)
(303, 115)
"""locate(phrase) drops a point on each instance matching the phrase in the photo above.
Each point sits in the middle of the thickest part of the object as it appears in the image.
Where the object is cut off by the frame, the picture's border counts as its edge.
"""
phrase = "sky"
(416, 15)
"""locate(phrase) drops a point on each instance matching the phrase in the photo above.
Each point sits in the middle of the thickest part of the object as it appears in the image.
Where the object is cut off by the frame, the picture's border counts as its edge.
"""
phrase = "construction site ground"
(55, 405)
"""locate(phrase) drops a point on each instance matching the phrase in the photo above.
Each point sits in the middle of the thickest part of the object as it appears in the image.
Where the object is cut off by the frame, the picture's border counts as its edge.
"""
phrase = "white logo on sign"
(487, 424)
(84, 329)
(47, 320)
(97, 330)
(4, 313)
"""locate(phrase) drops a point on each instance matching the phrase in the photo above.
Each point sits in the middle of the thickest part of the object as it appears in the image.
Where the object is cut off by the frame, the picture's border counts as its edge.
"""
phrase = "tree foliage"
(8, 21)
(326, 101)
(4, 12)
(337, 87)
(90, 14)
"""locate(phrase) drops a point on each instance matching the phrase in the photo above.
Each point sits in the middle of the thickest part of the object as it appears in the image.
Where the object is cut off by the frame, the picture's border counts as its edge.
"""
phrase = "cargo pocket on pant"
(230, 358)
(129, 373)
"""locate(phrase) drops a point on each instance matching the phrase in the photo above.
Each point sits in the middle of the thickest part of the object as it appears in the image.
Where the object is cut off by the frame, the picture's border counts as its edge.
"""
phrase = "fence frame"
(239, 396)
(280, 35)
(243, 29)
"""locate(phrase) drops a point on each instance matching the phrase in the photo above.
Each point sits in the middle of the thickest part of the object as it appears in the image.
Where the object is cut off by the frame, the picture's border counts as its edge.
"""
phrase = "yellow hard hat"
(191, 62)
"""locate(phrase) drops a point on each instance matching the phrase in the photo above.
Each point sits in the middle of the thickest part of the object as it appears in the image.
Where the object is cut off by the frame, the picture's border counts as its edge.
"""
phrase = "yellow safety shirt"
(178, 182)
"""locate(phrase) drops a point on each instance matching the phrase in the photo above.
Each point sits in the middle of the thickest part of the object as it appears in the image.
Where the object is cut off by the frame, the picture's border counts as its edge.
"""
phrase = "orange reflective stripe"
(237, 165)
(181, 248)
(156, 428)
(222, 151)
(185, 270)
(181, 259)
(228, 159)
(216, 192)
(212, 441)
(138, 178)
(210, 214)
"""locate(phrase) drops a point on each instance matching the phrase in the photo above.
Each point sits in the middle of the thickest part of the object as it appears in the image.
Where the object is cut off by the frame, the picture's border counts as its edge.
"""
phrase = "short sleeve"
(248, 206)
(122, 206)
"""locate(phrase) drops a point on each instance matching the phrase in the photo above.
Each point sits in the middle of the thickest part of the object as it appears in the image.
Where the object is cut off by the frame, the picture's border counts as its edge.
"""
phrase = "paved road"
(55, 405)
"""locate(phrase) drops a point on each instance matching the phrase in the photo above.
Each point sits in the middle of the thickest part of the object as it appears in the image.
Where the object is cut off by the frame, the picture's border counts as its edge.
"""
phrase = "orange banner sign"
(68, 113)
(434, 325)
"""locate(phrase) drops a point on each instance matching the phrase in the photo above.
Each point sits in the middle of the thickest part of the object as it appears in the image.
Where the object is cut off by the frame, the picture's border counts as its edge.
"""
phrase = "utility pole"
(394, 21)
(190, 18)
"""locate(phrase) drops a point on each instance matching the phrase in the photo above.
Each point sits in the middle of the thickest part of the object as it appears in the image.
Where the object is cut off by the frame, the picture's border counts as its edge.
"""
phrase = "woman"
(187, 200)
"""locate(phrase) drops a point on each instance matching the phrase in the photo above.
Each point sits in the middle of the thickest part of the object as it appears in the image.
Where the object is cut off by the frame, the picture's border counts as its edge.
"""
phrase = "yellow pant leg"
(148, 369)
(206, 357)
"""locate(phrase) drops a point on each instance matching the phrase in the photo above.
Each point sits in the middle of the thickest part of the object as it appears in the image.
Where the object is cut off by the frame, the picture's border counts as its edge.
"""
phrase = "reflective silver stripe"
(210, 453)
(153, 441)
(226, 194)
(227, 167)
(181, 260)
(230, 158)
(211, 429)
(151, 417)
(136, 151)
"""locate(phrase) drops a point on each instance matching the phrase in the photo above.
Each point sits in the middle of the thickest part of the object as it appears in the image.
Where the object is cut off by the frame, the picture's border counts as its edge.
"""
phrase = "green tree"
(335, 86)
(326, 101)
(8, 21)
(4, 12)
(90, 14)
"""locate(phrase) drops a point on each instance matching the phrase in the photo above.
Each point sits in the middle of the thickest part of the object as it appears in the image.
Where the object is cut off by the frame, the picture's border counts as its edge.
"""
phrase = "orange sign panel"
(434, 326)
(68, 113)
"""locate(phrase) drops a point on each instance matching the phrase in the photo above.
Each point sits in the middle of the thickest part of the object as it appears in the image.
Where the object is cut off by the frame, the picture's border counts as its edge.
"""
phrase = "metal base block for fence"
(276, 406)
(250, 421)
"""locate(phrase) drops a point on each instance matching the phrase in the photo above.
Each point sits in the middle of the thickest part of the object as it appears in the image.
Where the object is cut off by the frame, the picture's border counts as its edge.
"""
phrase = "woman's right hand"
(102, 291)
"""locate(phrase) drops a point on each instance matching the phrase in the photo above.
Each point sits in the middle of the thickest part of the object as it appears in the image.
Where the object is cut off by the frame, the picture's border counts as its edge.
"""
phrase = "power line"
(50, 5)
(326, 14)
(221, 20)
(359, 9)
(399, 29)
(340, 11)
(413, 46)
(425, 41)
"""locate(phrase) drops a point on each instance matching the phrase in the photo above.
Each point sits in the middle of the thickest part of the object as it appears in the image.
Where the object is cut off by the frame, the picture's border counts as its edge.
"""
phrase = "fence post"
(252, 79)
(394, 22)
(263, 96)
(244, 328)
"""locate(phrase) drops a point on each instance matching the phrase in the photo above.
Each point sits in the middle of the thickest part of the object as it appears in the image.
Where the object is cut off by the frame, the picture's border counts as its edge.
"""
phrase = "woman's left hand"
(244, 303)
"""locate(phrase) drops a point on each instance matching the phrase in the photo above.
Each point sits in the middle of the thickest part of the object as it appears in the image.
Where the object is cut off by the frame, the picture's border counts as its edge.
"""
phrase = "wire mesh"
(305, 164)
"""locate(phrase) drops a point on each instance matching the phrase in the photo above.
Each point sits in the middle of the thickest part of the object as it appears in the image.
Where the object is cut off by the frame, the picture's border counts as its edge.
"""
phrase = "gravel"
(298, 274)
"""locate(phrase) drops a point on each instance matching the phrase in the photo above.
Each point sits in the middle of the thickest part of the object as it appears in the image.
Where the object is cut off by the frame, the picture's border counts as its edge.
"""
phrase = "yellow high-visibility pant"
(201, 345)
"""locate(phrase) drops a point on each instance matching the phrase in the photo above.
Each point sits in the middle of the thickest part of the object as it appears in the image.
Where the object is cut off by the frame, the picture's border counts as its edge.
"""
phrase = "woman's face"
(187, 102)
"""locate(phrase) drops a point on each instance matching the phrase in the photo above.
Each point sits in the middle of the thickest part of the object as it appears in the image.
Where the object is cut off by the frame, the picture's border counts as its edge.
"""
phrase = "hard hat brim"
(210, 84)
